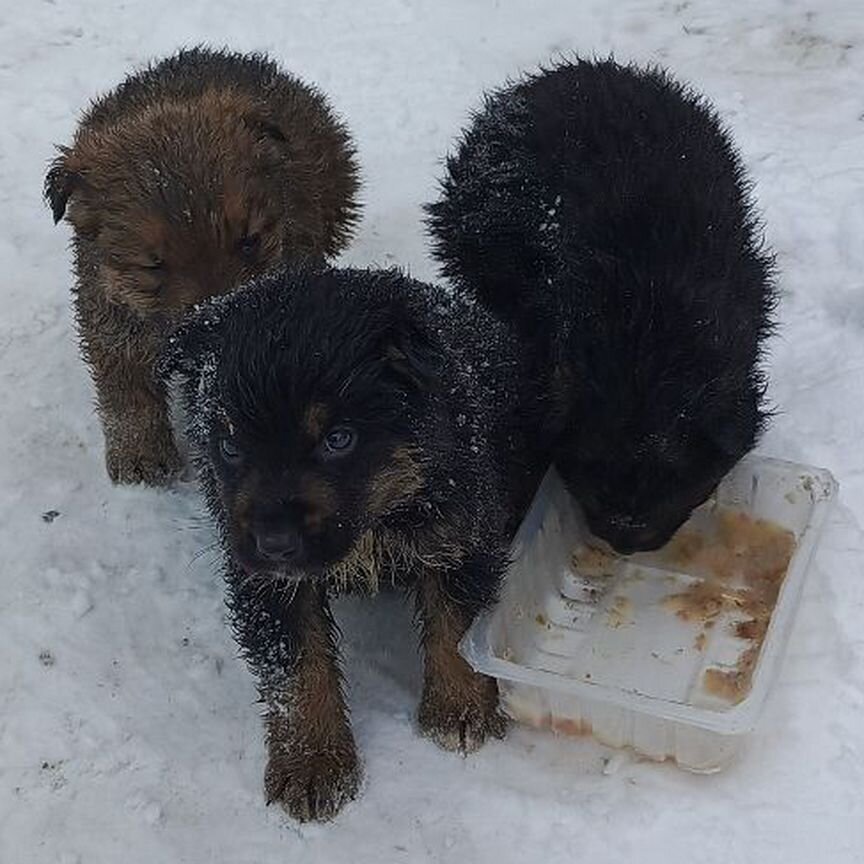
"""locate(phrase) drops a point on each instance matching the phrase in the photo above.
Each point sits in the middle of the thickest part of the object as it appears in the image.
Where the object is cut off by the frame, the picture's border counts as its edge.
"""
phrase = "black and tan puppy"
(353, 427)
(603, 211)
(191, 177)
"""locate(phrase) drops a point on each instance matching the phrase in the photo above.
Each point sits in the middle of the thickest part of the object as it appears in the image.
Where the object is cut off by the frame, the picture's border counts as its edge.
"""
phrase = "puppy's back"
(193, 72)
(595, 186)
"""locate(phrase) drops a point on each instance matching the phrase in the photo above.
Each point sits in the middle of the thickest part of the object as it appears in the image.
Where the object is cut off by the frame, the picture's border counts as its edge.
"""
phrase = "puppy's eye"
(229, 451)
(249, 245)
(339, 441)
(154, 265)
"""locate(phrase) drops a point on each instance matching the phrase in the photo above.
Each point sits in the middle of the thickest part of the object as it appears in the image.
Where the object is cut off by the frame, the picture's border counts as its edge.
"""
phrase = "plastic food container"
(606, 648)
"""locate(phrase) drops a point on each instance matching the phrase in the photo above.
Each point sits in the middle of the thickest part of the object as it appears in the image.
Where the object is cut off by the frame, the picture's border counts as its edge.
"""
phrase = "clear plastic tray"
(606, 655)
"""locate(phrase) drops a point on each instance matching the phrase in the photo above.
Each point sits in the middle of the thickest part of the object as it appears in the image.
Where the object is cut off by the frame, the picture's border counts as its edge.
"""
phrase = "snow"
(128, 729)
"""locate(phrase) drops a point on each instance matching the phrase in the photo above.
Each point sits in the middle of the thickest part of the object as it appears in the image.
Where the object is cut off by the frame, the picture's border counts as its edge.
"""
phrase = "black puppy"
(353, 427)
(604, 212)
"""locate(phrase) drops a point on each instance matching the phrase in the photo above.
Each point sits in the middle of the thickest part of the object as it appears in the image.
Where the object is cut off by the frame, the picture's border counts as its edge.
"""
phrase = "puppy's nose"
(625, 534)
(279, 544)
(641, 540)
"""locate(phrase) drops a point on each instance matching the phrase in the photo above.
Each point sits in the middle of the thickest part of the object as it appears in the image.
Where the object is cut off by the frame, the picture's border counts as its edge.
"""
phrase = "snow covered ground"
(127, 725)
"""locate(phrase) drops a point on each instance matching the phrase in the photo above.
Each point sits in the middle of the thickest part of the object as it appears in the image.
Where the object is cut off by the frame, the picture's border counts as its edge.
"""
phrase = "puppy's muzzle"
(626, 534)
(275, 541)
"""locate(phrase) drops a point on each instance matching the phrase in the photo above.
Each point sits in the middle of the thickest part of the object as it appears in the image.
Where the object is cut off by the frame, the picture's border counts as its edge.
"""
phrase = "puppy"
(603, 211)
(191, 177)
(351, 428)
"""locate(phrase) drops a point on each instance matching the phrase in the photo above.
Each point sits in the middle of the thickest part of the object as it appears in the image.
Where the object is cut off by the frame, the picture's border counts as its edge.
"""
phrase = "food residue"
(737, 571)
(744, 547)
(733, 684)
(593, 563)
(574, 728)
(742, 570)
(620, 613)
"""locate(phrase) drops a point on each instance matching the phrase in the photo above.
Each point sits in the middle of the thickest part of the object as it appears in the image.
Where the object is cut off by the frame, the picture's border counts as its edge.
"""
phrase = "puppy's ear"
(66, 179)
(60, 183)
(411, 354)
(266, 124)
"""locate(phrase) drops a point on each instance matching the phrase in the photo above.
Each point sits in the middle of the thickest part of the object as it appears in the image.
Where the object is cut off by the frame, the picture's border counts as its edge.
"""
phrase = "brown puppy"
(190, 178)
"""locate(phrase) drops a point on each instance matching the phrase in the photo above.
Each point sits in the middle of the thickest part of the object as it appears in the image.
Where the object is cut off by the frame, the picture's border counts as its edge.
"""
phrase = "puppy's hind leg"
(312, 767)
(459, 707)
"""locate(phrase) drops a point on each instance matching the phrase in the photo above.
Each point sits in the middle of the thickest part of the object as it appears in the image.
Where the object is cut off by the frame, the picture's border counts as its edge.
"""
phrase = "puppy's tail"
(493, 229)
(487, 257)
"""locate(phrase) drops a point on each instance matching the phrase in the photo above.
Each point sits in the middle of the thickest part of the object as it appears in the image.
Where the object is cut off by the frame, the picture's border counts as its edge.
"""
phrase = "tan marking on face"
(320, 499)
(397, 482)
(315, 420)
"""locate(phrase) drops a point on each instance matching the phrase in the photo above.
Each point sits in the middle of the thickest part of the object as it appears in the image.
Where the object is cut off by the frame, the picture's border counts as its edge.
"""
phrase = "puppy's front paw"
(152, 460)
(461, 719)
(312, 785)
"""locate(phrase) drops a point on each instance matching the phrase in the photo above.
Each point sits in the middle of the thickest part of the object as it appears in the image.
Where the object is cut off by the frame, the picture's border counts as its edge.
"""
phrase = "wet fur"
(194, 175)
(604, 212)
(445, 464)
